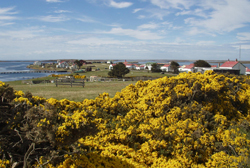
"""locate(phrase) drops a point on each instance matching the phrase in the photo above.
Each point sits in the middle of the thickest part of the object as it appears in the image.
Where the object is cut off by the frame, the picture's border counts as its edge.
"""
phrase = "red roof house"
(229, 64)
(234, 65)
(139, 67)
(187, 68)
(247, 71)
(166, 67)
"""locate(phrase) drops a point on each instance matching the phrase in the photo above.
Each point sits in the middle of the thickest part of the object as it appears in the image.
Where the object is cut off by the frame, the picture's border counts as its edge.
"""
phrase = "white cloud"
(141, 17)
(225, 16)
(243, 47)
(137, 10)
(62, 11)
(54, 1)
(95, 41)
(178, 4)
(245, 36)
(205, 43)
(211, 16)
(196, 12)
(114, 4)
(4, 11)
(148, 26)
(138, 34)
(93, 46)
(170, 25)
(6, 16)
(194, 31)
(21, 34)
(157, 13)
(6, 24)
(51, 18)
(86, 19)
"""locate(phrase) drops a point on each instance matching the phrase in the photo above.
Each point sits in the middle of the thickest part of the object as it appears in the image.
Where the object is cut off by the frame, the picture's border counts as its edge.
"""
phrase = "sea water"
(11, 66)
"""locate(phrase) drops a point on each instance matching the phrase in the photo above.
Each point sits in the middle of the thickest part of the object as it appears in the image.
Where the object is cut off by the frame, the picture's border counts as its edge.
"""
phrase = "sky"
(125, 29)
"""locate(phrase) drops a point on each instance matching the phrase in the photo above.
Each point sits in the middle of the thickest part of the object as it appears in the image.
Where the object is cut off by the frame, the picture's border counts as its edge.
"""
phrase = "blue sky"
(117, 29)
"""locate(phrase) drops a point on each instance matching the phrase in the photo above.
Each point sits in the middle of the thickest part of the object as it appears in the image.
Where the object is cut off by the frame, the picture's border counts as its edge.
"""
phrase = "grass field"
(103, 72)
(75, 93)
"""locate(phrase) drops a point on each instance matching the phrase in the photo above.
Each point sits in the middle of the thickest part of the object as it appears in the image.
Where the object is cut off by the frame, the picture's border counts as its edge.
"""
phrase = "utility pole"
(239, 52)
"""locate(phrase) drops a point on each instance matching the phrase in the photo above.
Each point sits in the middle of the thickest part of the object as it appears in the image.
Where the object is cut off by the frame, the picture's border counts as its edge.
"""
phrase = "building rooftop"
(229, 63)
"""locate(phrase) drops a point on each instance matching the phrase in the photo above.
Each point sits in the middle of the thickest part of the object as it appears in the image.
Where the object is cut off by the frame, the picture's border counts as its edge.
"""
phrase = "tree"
(155, 68)
(201, 63)
(174, 66)
(119, 70)
(78, 63)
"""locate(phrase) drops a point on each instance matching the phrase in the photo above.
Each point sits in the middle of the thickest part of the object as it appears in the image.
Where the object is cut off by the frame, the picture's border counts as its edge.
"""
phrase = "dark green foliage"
(78, 63)
(119, 70)
(155, 68)
(174, 66)
(201, 63)
(6, 94)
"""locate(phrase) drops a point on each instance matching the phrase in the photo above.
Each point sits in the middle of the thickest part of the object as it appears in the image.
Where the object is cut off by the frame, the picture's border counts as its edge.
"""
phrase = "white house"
(73, 66)
(130, 66)
(111, 66)
(165, 68)
(234, 65)
(187, 68)
(203, 69)
(247, 71)
(109, 62)
(62, 64)
(37, 63)
(139, 67)
(148, 65)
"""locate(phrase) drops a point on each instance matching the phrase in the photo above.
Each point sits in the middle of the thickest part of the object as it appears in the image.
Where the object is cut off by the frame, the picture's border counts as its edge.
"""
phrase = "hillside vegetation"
(189, 120)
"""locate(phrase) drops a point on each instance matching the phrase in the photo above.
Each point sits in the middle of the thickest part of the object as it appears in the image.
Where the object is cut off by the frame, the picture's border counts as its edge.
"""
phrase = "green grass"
(78, 93)
(104, 72)
(75, 93)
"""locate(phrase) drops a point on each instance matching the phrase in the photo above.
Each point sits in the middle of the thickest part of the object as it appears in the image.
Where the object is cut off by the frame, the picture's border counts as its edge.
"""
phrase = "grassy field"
(103, 72)
(75, 93)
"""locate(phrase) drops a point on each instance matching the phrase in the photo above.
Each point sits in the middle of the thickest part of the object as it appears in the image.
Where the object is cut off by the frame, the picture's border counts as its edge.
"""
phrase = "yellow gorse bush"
(4, 163)
(75, 76)
(2, 83)
(189, 120)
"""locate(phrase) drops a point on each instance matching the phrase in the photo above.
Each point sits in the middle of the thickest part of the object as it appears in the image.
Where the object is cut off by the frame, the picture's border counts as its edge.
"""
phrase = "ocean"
(11, 66)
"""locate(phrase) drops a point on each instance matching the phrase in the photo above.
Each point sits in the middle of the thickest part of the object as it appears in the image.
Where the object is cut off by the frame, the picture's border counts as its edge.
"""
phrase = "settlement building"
(166, 68)
(148, 65)
(139, 67)
(37, 63)
(74, 66)
(247, 71)
(130, 66)
(234, 65)
(111, 66)
(62, 64)
(187, 68)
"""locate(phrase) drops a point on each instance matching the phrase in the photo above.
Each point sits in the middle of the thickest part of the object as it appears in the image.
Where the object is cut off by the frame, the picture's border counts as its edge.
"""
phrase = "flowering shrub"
(75, 76)
(189, 120)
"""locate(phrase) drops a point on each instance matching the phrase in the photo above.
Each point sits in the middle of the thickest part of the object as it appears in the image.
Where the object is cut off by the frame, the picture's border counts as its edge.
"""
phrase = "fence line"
(71, 82)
